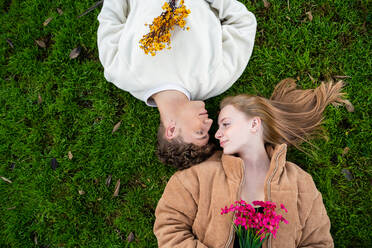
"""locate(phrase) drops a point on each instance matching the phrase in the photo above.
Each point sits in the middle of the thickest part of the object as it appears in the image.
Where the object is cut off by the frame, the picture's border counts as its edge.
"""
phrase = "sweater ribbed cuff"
(148, 95)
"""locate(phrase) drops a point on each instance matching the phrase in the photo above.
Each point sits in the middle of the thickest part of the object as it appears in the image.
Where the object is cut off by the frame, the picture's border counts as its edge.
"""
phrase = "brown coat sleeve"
(175, 216)
(316, 230)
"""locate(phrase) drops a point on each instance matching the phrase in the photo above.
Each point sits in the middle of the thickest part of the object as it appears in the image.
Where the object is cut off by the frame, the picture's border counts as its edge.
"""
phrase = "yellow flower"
(161, 26)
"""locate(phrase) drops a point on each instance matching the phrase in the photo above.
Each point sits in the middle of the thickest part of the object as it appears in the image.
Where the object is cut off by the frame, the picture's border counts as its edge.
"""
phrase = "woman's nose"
(218, 134)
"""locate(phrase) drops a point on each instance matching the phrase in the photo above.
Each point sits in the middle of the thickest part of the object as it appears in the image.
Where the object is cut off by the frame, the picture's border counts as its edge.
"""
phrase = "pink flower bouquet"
(253, 227)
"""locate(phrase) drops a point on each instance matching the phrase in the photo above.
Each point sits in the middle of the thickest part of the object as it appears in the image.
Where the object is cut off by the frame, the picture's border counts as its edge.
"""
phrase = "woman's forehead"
(228, 111)
(231, 112)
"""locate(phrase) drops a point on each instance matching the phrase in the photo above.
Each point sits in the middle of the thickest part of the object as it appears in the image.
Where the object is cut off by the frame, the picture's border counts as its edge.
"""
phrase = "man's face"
(194, 123)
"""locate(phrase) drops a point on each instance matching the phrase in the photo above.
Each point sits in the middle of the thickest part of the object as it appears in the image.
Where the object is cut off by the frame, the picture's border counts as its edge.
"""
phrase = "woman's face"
(236, 131)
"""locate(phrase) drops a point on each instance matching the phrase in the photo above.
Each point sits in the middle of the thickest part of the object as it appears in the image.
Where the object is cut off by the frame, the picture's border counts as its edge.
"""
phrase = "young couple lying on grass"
(254, 132)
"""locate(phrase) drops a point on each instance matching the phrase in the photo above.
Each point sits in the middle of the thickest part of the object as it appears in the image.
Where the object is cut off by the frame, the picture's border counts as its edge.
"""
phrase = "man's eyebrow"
(204, 137)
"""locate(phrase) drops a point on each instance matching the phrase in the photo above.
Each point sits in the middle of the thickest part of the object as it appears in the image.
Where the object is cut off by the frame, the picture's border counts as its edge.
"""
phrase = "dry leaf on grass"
(39, 99)
(266, 4)
(311, 78)
(142, 184)
(81, 192)
(60, 12)
(108, 180)
(10, 43)
(75, 52)
(116, 127)
(11, 208)
(47, 21)
(347, 174)
(130, 237)
(40, 43)
(35, 239)
(54, 164)
(349, 106)
(117, 187)
(345, 151)
(309, 15)
(70, 156)
(6, 180)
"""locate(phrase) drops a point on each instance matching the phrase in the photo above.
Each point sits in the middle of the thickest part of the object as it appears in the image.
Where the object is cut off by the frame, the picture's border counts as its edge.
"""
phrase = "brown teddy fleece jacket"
(189, 212)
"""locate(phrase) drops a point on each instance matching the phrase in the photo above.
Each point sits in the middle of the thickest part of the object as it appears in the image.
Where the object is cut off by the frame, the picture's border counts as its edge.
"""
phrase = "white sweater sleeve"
(238, 34)
(112, 19)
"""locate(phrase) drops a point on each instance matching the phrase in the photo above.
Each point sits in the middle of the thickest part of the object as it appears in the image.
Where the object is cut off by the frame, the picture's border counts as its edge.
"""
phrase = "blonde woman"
(254, 133)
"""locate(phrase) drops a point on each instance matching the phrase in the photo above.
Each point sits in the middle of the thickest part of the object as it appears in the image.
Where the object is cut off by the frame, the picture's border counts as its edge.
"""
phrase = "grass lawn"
(51, 105)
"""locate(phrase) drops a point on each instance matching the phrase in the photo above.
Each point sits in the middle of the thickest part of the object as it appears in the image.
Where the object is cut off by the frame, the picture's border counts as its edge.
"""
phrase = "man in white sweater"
(203, 62)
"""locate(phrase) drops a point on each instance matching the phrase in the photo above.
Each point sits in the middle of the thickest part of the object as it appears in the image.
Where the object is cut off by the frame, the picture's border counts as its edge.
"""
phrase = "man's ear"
(256, 124)
(170, 130)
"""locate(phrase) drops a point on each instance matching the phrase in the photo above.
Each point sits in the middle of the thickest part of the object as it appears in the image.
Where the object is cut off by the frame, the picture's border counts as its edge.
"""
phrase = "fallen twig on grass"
(117, 187)
(6, 180)
(10, 43)
(341, 77)
(108, 180)
(91, 8)
(39, 99)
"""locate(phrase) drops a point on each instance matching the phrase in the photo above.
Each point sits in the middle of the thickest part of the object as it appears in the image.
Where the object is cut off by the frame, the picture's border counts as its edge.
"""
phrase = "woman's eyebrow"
(221, 120)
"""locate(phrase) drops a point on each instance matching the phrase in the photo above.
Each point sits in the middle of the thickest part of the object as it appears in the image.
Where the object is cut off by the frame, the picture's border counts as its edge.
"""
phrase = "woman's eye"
(225, 124)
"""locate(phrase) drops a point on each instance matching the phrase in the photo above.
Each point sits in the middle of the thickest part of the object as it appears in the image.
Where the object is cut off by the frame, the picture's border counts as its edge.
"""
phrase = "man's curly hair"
(179, 154)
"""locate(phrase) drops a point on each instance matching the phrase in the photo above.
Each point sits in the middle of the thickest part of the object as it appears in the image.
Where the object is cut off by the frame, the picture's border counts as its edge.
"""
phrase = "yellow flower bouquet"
(161, 26)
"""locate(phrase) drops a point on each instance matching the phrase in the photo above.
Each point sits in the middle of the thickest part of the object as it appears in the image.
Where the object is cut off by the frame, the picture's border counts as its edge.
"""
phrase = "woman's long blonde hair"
(291, 115)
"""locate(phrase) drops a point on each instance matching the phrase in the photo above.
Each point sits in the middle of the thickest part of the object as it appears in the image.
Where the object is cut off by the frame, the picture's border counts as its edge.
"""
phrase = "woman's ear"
(255, 124)
(170, 130)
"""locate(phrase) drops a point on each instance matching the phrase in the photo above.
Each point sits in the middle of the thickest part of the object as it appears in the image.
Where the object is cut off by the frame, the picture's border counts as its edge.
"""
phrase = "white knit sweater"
(203, 62)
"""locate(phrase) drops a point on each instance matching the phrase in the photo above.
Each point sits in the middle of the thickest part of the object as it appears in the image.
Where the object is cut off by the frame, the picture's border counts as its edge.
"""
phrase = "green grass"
(79, 110)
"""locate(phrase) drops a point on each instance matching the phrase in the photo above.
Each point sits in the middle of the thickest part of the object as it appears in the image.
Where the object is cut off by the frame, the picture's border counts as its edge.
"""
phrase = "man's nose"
(201, 103)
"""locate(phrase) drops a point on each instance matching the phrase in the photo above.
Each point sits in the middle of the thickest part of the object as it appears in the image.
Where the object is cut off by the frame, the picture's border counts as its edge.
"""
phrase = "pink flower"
(282, 207)
(247, 217)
